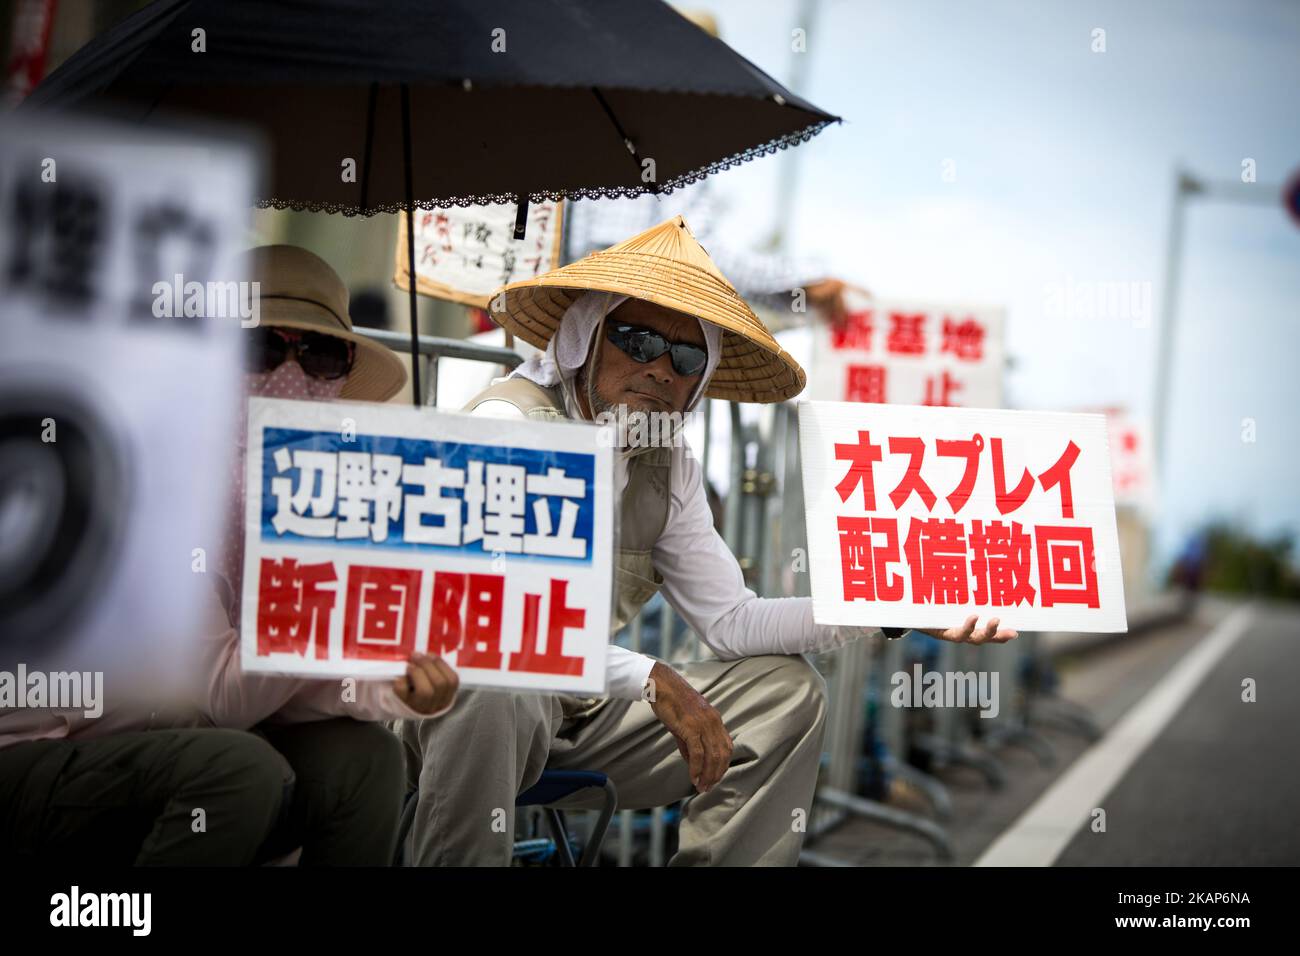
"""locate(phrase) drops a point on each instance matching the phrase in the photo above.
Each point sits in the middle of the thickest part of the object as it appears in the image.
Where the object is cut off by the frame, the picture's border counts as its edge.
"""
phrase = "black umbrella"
(512, 101)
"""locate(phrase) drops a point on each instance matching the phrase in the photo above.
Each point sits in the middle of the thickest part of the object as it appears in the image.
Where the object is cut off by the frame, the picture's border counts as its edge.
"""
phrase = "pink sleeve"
(239, 700)
(375, 700)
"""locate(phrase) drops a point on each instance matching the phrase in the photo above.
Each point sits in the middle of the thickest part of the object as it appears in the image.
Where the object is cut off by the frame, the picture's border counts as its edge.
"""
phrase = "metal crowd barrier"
(436, 347)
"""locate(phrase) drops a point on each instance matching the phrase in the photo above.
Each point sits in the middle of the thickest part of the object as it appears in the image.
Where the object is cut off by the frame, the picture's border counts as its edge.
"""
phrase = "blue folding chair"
(551, 788)
(557, 785)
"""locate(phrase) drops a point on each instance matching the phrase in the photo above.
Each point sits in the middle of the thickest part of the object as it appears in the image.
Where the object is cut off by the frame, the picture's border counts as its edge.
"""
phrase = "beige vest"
(643, 511)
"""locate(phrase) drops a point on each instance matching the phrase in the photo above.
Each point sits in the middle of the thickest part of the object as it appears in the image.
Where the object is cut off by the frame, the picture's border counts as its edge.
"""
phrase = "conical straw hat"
(667, 266)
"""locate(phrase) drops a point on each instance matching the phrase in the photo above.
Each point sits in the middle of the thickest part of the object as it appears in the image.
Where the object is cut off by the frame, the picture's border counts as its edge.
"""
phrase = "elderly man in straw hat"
(650, 326)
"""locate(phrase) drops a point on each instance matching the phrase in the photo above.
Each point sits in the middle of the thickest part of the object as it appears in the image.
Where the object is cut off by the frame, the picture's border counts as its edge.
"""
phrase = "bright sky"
(1063, 161)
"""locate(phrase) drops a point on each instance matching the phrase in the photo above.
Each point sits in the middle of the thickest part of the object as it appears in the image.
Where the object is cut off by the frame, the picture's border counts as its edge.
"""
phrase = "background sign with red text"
(374, 532)
(919, 517)
(909, 354)
(1131, 457)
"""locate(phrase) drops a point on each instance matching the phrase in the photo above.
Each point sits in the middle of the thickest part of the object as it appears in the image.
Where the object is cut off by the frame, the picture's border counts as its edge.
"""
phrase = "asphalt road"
(1218, 785)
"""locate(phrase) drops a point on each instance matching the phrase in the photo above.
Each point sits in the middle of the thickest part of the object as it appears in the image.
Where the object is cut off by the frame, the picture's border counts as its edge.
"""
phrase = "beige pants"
(470, 764)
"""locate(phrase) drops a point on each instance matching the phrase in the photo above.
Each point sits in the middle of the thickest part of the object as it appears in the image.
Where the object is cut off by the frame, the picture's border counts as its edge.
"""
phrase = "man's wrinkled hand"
(970, 633)
(702, 739)
(428, 686)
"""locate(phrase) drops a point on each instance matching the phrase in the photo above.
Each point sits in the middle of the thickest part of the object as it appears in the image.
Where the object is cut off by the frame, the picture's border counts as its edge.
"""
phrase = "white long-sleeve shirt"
(705, 585)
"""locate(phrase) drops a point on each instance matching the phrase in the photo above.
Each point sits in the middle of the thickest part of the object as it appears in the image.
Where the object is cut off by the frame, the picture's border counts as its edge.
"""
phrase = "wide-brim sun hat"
(299, 290)
(665, 265)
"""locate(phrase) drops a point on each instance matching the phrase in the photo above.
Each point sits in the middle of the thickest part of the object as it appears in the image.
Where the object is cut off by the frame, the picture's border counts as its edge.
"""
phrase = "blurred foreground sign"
(919, 517)
(368, 540)
(465, 254)
(909, 354)
(115, 415)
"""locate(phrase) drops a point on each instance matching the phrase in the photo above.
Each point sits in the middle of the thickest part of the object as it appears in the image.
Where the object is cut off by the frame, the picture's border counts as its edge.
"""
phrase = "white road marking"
(1039, 835)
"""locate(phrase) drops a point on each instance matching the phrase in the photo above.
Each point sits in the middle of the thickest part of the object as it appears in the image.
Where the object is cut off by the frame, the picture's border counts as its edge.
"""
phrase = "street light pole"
(1186, 186)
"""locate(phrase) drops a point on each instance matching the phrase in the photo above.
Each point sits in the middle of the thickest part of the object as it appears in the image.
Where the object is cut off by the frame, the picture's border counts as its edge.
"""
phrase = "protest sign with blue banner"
(374, 532)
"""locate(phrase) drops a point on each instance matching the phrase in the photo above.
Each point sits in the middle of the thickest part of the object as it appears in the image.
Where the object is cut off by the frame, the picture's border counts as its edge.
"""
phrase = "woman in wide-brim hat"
(299, 291)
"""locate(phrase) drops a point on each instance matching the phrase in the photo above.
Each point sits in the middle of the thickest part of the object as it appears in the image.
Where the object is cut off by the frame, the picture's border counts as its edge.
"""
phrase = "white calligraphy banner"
(463, 254)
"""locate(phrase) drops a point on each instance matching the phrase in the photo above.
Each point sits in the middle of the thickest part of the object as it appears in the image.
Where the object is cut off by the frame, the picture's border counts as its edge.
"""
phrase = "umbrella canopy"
(508, 101)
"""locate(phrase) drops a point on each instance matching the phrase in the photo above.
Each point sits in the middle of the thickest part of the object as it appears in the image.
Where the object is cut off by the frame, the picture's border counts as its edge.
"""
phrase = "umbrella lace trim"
(578, 192)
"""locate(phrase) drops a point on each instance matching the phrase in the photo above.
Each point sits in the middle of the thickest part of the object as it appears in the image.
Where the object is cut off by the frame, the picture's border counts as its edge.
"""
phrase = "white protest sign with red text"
(919, 517)
(906, 353)
(374, 531)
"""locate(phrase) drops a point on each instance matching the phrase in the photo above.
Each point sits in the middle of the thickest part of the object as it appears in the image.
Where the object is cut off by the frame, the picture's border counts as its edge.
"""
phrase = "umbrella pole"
(410, 248)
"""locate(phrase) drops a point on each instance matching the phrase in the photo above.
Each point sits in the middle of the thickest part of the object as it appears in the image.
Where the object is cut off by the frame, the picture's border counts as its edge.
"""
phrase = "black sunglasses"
(646, 345)
(320, 355)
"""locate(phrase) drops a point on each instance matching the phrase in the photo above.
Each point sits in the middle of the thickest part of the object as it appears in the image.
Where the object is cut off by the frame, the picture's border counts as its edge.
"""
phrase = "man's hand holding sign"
(972, 633)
